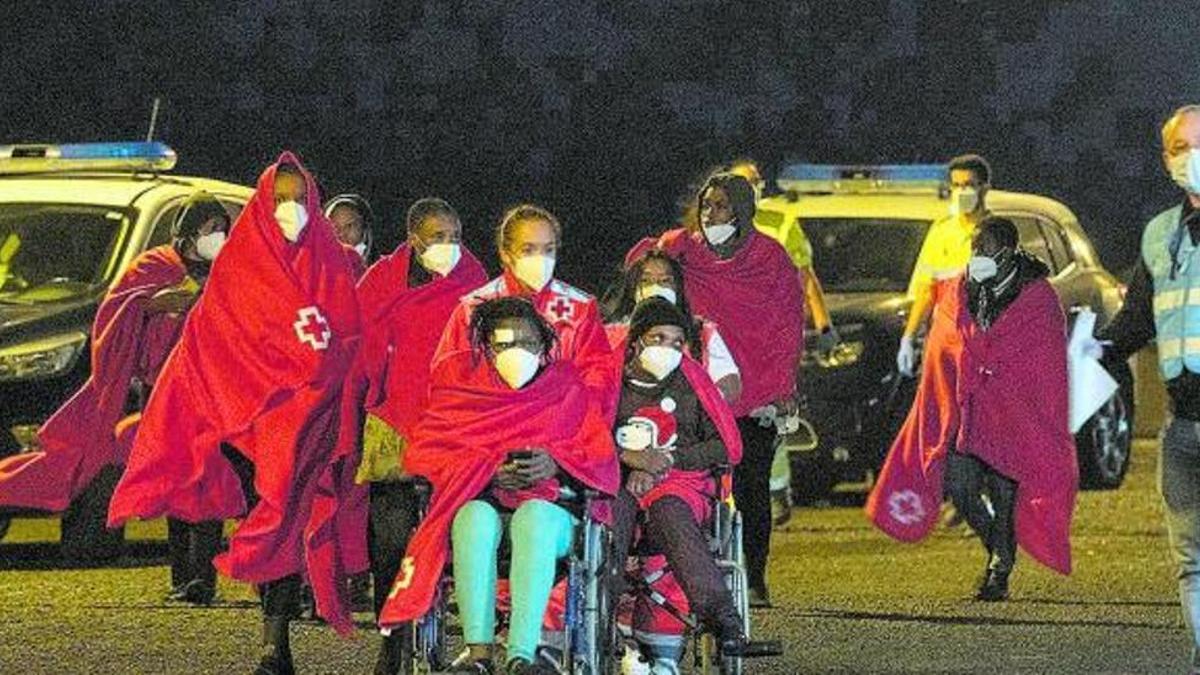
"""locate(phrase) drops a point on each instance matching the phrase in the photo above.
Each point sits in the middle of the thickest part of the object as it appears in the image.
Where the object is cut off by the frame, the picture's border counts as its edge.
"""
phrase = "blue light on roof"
(126, 150)
(145, 156)
(823, 178)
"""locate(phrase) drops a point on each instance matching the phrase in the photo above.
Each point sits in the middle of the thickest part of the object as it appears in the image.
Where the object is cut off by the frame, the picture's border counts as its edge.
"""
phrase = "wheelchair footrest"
(757, 649)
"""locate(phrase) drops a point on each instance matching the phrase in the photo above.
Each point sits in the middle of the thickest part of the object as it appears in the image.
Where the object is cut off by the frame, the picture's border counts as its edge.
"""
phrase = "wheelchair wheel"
(430, 653)
(591, 630)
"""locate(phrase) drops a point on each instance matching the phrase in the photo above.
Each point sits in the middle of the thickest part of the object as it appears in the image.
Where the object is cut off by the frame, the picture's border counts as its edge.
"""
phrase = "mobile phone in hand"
(520, 455)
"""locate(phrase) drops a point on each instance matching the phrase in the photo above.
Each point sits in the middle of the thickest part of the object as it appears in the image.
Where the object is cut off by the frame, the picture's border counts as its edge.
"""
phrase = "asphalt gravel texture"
(847, 600)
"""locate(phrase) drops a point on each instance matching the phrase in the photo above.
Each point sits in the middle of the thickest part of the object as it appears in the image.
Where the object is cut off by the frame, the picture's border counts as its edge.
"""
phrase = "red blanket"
(758, 301)
(472, 422)
(697, 488)
(576, 320)
(271, 338)
(390, 378)
(1001, 395)
(79, 439)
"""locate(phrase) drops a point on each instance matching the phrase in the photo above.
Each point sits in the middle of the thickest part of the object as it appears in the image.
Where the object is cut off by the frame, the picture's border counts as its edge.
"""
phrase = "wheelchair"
(587, 642)
(725, 545)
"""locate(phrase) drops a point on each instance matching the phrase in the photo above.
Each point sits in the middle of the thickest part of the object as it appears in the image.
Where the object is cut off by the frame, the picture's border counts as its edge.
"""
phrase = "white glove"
(906, 358)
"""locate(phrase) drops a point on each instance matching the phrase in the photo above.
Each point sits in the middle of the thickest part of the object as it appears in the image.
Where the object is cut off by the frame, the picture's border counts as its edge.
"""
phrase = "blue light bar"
(150, 156)
(837, 178)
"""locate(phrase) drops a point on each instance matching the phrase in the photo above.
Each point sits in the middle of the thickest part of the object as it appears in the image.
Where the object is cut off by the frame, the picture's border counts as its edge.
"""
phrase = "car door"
(1043, 237)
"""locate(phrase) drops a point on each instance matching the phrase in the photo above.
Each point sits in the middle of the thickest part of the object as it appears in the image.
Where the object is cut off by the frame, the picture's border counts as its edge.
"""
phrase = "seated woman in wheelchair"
(507, 426)
(673, 430)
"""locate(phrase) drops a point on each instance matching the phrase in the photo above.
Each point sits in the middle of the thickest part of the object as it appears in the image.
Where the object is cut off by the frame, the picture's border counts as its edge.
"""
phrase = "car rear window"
(865, 255)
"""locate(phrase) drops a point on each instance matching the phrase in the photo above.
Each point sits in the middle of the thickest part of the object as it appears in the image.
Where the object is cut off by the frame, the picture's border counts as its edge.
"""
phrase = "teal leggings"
(541, 534)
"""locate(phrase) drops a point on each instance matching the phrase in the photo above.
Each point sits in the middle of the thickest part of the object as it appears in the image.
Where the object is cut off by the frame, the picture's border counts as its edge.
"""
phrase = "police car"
(866, 226)
(72, 217)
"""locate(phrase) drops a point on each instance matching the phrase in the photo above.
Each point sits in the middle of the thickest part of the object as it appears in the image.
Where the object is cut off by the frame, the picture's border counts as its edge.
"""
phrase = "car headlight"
(43, 357)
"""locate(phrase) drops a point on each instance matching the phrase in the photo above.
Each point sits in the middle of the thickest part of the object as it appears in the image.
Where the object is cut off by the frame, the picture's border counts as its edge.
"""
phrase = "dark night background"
(605, 112)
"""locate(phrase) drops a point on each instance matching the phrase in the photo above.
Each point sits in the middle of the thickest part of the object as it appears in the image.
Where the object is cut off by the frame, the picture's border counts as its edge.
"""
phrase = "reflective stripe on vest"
(1176, 300)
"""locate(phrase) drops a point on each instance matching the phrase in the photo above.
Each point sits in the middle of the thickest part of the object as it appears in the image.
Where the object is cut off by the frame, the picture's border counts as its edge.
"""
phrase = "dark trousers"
(670, 528)
(967, 480)
(192, 547)
(752, 492)
(394, 514)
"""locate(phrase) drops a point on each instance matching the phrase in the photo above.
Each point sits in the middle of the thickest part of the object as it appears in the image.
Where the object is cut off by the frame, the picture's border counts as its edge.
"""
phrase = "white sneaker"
(633, 664)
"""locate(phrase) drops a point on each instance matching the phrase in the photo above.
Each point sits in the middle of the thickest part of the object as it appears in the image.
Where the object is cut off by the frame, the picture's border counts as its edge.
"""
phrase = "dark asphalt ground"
(847, 601)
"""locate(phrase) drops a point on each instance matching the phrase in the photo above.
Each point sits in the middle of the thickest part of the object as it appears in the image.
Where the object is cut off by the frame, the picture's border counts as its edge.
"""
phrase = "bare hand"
(509, 478)
(788, 405)
(653, 462)
(639, 483)
(537, 468)
(173, 300)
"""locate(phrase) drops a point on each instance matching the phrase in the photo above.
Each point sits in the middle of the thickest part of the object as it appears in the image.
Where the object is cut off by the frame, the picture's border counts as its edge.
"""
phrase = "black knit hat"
(195, 211)
(655, 311)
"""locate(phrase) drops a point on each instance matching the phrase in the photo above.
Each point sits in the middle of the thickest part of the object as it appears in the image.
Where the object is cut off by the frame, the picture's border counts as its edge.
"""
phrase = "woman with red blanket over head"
(528, 239)
(507, 424)
(136, 325)
(258, 373)
(747, 284)
(405, 299)
(1008, 437)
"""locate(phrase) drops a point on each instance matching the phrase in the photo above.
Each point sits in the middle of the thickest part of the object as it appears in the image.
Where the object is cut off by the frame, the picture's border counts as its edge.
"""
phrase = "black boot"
(276, 652)
(280, 603)
(394, 650)
(994, 587)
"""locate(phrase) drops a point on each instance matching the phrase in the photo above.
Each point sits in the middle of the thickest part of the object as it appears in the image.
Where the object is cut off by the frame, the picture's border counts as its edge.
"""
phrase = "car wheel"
(1105, 442)
(85, 535)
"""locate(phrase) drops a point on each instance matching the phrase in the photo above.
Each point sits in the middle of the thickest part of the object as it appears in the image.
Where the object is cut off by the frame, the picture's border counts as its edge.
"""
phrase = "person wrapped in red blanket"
(1008, 439)
(528, 238)
(136, 325)
(353, 223)
(506, 425)
(405, 300)
(747, 284)
(255, 382)
(673, 429)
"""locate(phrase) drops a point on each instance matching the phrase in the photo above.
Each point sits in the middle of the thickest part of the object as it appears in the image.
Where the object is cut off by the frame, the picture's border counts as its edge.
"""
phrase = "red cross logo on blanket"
(561, 308)
(312, 329)
(905, 507)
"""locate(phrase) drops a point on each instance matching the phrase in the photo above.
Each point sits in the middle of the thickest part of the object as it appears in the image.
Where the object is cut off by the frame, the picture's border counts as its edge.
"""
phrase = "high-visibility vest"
(1174, 265)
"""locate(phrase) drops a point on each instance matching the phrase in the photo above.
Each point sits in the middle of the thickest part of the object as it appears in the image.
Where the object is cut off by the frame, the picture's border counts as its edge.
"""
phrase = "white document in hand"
(1089, 384)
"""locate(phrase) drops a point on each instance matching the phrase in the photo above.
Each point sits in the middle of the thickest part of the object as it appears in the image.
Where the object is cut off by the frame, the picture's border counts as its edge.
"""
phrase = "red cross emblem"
(312, 329)
(561, 308)
(905, 507)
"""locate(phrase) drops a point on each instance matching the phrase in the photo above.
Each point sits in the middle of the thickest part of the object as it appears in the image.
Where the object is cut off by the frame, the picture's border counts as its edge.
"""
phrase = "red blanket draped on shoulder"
(390, 379)
(1000, 395)
(575, 318)
(80, 439)
(471, 423)
(271, 337)
(696, 488)
(756, 298)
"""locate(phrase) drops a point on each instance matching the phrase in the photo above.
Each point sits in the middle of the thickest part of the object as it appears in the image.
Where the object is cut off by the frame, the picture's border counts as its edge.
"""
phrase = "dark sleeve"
(1133, 326)
(708, 450)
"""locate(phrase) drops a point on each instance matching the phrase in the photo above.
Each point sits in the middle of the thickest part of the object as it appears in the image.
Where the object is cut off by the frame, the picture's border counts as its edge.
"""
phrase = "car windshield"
(865, 255)
(51, 252)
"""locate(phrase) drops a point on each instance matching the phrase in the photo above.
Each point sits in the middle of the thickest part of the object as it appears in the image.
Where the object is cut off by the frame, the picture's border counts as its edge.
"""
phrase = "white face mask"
(292, 217)
(719, 234)
(441, 258)
(535, 271)
(517, 366)
(361, 250)
(963, 201)
(660, 361)
(208, 245)
(655, 291)
(1185, 170)
(981, 268)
